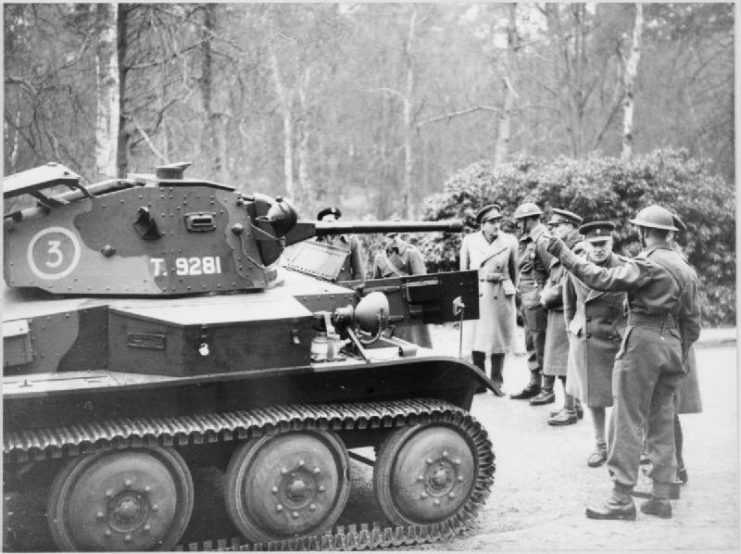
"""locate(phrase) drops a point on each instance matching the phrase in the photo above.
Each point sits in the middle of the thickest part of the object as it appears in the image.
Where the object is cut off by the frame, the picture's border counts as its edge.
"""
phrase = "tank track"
(62, 442)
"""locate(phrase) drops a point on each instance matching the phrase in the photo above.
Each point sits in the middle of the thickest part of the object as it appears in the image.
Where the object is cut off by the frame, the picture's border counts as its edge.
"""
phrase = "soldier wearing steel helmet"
(663, 323)
(533, 261)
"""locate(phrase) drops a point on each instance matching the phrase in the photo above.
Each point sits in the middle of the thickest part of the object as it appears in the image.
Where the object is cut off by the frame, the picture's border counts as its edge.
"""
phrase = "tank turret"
(155, 331)
(154, 235)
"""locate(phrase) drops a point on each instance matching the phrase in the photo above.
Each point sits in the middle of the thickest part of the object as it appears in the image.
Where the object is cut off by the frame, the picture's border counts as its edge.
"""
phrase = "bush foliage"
(605, 188)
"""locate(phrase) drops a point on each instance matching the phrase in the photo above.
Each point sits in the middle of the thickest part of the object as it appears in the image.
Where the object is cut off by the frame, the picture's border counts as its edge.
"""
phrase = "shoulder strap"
(399, 272)
(671, 271)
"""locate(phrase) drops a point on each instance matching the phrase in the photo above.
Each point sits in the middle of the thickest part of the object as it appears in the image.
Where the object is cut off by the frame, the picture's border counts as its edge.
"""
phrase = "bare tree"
(501, 149)
(631, 71)
(108, 102)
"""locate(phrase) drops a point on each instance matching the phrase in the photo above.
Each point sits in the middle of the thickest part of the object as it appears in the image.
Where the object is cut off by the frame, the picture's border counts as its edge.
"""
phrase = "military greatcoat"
(405, 260)
(353, 268)
(595, 321)
(556, 351)
(689, 400)
(496, 262)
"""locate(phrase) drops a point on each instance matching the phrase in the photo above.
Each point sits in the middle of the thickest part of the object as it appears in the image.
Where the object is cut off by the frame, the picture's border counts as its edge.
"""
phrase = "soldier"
(354, 266)
(533, 260)
(493, 253)
(595, 321)
(399, 259)
(688, 399)
(663, 323)
(562, 224)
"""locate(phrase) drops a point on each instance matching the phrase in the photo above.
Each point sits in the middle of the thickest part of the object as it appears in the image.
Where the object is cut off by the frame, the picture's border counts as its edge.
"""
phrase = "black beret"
(327, 211)
(560, 216)
(496, 208)
(597, 230)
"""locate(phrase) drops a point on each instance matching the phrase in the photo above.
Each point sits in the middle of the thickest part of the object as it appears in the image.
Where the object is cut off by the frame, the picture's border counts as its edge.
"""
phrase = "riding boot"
(497, 364)
(479, 360)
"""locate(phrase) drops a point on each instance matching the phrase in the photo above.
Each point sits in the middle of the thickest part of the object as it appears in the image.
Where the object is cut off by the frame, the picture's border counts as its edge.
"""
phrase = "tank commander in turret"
(353, 267)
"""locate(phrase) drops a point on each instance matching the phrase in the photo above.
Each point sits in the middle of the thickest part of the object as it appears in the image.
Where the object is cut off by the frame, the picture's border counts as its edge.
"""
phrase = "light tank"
(150, 331)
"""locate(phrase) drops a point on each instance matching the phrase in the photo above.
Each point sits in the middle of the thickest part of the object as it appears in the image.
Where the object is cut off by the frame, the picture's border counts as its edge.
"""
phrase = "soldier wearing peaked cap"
(564, 224)
(663, 323)
(595, 321)
(493, 253)
(533, 261)
(398, 259)
(353, 267)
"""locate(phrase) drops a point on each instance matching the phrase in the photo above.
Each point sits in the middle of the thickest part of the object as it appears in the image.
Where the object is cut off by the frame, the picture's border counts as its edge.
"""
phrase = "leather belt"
(665, 320)
(493, 277)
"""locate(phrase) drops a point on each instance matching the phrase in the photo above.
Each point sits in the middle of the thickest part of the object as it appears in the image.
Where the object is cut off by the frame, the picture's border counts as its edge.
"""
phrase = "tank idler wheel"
(424, 473)
(287, 485)
(137, 499)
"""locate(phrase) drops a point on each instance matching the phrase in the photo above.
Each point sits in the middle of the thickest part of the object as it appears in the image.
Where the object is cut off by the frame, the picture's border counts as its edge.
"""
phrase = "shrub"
(606, 188)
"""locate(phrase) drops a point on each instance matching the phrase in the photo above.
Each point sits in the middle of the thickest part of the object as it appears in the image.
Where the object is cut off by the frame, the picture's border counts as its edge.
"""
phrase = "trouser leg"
(678, 440)
(632, 387)
(534, 364)
(598, 424)
(660, 434)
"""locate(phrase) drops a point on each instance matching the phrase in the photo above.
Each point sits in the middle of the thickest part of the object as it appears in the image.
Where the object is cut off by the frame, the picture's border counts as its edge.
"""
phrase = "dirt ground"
(542, 482)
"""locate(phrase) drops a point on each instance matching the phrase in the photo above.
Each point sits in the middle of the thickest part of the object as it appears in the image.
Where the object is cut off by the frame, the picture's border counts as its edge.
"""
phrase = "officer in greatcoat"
(353, 267)
(494, 254)
(564, 224)
(663, 323)
(533, 261)
(399, 259)
(688, 399)
(595, 321)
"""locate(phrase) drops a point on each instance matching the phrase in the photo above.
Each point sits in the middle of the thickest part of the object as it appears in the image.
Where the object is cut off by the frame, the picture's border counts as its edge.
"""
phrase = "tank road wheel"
(287, 485)
(424, 474)
(138, 499)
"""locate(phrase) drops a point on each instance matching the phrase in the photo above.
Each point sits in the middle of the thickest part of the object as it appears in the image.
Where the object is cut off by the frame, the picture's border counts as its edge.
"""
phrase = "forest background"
(415, 110)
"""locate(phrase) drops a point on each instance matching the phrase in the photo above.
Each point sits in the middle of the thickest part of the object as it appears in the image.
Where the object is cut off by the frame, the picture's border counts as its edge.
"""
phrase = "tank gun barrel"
(363, 227)
(304, 230)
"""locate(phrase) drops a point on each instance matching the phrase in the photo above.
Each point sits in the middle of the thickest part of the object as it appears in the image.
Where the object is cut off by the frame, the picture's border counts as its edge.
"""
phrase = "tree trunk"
(13, 156)
(306, 183)
(631, 71)
(285, 98)
(409, 126)
(213, 123)
(501, 149)
(122, 147)
(107, 91)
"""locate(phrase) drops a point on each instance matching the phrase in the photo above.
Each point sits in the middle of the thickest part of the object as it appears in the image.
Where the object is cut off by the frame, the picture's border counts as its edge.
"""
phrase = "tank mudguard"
(444, 378)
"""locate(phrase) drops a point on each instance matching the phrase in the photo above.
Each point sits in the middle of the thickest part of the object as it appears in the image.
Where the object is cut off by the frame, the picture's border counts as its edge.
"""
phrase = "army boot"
(655, 506)
(546, 394)
(497, 364)
(619, 506)
(479, 360)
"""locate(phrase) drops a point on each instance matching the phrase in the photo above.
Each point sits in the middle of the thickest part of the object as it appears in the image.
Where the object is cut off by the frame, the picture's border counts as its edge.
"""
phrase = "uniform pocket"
(508, 287)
